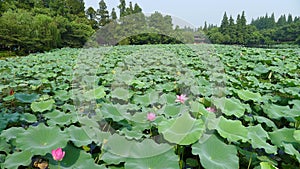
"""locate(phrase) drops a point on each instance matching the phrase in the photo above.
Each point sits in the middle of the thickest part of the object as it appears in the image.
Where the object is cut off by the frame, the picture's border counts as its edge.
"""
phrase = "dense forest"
(29, 26)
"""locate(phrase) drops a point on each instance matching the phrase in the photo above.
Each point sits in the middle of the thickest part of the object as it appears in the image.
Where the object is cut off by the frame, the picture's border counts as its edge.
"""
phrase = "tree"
(113, 14)
(103, 13)
(281, 21)
(137, 8)
(92, 16)
(205, 27)
(75, 7)
(232, 29)
(129, 10)
(122, 7)
(224, 25)
(290, 19)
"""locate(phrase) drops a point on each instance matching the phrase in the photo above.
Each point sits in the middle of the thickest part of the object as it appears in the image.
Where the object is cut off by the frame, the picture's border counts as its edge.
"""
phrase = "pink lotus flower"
(211, 109)
(58, 154)
(151, 116)
(182, 98)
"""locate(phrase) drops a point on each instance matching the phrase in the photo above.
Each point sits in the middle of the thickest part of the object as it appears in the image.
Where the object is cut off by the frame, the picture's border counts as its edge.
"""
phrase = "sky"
(195, 12)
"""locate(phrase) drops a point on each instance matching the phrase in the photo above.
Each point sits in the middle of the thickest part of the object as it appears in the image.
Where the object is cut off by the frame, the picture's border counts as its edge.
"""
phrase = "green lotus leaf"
(171, 110)
(297, 135)
(266, 165)
(9, 98)
(265, 120)
(167, 98)
(57, 117)
(144, 100)
(96, 93)
(30, 118)
(11, 133)
(26, 98)
(216, 154)
(42, 105)
(121, 93)
(282, 135)
(41, 139)
(233, 130)
(258, 137)
(290, 149)
(74, 158)
(247, 95)
(113, 111)
(183, 130)
(4, 146)
(13, 161)
(230, 106)
(78, 136)
(170, 161)
(277, 112)
(123, 148)
(62, 95)
(261, 69)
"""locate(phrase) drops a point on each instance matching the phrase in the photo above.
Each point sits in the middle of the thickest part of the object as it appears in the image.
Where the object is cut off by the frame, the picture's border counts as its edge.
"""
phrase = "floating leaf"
(170, 161)
(113, 111)
(78, 136)
(11, 133)
(57, 117)
(290, 149)
(282, 135)
(13, 161)
(26, 98)
(233, 130)
(62, 95)
(30, 118)
(41, 139)
(230, 106)
(216, 154)
(297, 135)
(247, 95)
(174, 131)
(258, 137)
(42, 105)
(96, 93)
(266, 165)
(121, 93)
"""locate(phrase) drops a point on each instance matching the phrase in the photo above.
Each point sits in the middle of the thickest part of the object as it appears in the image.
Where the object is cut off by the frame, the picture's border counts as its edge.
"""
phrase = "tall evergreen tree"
(205, 26)
(103, 13)
(122, 8)
(224, 24)
(129, 9)
(113, 14)
(137, 8)
(290, 19)
(92, 17)
(281, 21)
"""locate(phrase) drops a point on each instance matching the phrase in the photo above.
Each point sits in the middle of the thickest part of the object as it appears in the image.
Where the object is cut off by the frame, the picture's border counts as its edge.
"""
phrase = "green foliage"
(99, 118)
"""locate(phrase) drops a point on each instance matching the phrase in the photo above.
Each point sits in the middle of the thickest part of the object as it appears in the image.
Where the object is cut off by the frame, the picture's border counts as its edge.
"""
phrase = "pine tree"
(224, 25)
(122, 8)
(205, 27)
(129, 10)
(290, 19)
(103, 13)
(113, 14)
(91, 14)
(281, 21)
(137, 8)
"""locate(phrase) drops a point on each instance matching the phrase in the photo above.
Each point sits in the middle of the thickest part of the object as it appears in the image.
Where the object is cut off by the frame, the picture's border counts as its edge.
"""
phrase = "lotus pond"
(151, 107)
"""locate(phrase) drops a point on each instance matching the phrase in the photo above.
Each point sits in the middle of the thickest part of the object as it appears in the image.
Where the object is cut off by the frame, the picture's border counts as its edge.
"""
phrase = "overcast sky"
(196, 12)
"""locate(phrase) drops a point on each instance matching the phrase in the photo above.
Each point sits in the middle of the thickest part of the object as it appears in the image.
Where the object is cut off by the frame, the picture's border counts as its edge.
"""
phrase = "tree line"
(263, 31)
(29, 26)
